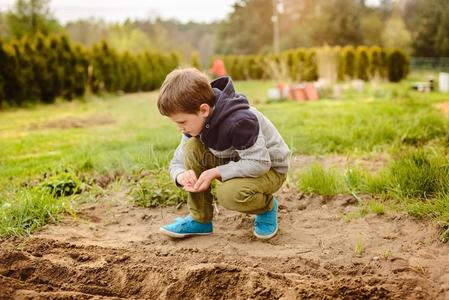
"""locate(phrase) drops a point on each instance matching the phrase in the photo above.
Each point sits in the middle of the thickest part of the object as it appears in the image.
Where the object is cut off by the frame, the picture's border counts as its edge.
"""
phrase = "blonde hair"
(183, 91)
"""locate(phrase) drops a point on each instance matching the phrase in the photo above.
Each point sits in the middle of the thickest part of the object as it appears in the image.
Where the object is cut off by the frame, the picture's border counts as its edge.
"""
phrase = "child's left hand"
(204, 181)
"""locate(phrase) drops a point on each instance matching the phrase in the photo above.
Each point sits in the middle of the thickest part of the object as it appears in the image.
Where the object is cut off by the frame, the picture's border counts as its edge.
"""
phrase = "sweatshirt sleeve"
(250, 144)
(176, 166)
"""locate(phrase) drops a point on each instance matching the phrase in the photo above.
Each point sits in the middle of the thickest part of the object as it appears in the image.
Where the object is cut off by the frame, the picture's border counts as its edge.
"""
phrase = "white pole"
(275, 20)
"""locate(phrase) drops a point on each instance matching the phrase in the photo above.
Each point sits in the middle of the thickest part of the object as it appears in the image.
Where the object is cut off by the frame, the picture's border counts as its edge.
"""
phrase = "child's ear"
(205, 109)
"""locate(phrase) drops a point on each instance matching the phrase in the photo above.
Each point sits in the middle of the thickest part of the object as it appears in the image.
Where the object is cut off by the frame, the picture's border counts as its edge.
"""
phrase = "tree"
(429, 21)
(363, 63)
(396, 35)
(195, 60)
(338, 22)
(372, 25)
(398, 66)
(81, 71)
(296, 23)
(248, 30)
(442, 34)
(4, 30)
(28, 17)
(386, 7)
(3, 65)
(43, 75)
(129, 38)
(87, 32)
(347, 67)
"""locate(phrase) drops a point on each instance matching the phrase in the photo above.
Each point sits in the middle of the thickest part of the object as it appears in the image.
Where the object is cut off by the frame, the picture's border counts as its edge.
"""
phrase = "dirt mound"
(55, 270)
(114, 250)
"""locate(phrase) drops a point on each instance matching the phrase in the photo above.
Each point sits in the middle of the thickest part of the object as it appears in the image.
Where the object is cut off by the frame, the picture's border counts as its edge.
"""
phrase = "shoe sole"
(266, 237)
(180, 235)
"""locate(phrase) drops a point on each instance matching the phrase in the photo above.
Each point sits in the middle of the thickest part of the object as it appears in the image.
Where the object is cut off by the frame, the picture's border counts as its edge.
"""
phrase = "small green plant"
(444, 236)
(157, 189)
(64, 183)
(358, 249)
(348, 217)
(387, 254)
(376, 207)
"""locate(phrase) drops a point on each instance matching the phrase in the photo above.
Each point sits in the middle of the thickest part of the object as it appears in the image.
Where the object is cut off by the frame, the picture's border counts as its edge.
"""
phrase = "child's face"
(192, 124)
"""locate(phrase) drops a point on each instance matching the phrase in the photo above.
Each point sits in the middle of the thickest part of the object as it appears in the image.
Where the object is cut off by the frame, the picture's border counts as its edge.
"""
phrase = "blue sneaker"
(184, 227)
(266, 224)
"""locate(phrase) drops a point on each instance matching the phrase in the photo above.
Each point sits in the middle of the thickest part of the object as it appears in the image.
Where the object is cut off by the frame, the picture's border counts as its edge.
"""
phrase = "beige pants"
(248, 195)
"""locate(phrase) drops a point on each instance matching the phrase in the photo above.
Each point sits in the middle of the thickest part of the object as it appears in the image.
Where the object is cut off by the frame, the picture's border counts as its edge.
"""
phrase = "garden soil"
(113, 250)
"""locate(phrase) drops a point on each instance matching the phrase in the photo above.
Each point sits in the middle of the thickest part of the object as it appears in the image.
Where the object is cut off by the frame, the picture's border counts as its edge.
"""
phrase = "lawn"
(49, 152)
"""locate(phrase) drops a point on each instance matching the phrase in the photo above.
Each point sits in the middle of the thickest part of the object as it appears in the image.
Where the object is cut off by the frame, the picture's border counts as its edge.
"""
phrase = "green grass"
(415, 181)
(324, 182)
(157, 189)
(376, 207)
(358, 126)
(28, 210)
(135, 138)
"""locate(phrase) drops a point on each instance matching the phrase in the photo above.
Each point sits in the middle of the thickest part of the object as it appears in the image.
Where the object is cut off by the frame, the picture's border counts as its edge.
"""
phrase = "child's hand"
(187, 178)
(205, 179)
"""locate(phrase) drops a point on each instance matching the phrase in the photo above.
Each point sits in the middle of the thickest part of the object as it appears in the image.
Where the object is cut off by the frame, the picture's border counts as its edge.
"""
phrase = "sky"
(120, 10)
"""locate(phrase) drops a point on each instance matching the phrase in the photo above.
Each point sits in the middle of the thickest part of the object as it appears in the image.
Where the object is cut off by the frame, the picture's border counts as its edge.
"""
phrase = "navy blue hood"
(231, 122)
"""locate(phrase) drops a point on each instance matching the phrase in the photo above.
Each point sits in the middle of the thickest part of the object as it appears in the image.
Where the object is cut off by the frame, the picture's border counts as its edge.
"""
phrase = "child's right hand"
(187, 178)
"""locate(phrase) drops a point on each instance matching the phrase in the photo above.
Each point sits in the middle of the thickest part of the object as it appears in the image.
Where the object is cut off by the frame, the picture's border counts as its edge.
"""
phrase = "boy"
(226, 139)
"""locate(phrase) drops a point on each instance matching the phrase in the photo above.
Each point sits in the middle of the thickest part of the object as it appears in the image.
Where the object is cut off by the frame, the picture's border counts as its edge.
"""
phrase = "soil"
(113, 250)
(443, 107)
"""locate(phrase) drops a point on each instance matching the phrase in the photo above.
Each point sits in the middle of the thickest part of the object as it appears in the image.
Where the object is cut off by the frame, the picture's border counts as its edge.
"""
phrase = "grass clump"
(412, 175)
(416, 174)
(376, 207)
(316, 179)
(30, 209)
(157, 189)
(417, 180)
(419, 175)
(355, 179)
(320, 181)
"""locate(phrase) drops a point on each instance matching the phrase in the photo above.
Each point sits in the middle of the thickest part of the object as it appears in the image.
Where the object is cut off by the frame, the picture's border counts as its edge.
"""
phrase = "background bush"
(362, 63)
(43, 68)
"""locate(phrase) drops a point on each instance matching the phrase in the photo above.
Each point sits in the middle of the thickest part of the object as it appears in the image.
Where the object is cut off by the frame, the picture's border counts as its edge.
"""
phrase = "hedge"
(301, 64)
(47, 67)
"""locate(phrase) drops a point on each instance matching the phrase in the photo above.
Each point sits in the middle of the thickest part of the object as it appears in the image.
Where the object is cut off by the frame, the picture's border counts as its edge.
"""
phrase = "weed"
(387, 254)
(63, 183)
(358, 249)
(157, 189)
(376, 207)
